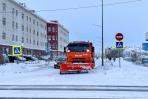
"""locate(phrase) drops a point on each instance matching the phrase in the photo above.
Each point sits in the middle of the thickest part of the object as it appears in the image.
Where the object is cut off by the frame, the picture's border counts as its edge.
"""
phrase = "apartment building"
(21, 26)
(58, 37)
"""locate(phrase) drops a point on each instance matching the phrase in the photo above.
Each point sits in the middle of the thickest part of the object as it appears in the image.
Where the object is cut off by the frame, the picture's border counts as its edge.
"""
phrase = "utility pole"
(102, 35)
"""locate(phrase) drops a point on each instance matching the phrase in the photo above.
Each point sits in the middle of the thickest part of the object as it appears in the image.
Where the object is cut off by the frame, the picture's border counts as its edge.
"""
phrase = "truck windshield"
(78, 47)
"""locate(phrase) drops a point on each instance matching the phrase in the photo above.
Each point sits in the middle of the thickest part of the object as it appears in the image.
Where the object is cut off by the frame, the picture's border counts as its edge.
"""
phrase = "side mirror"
(64, 49)
(93, 49)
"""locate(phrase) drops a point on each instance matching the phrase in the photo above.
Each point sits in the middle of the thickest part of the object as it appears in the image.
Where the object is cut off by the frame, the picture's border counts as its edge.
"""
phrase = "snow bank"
(21, 67)
(45, 74)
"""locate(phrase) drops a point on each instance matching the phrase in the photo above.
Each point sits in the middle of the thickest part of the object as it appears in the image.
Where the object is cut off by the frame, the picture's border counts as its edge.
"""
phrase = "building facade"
(58, 37)
(146, 36)
(21, 26)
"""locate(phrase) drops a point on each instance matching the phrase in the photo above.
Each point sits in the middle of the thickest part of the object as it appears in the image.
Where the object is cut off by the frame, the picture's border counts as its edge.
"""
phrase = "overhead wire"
(84, 7)
(93, 6)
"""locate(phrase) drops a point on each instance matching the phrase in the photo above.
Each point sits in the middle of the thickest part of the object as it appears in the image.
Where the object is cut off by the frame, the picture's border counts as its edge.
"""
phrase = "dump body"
(80, 56)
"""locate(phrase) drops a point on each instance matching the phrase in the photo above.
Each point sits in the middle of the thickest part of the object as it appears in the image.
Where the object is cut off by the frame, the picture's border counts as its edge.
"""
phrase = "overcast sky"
(130, 19)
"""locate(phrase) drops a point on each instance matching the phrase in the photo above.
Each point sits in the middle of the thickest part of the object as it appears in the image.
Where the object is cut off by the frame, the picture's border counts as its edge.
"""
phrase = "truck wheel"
(61, 73)
(58, 67)
(79, 72)
(86, 71)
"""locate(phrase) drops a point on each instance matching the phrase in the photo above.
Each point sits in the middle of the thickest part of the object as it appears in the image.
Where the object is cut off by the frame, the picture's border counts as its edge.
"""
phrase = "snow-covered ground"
(14, 68)
(43, 73)
(73, 95)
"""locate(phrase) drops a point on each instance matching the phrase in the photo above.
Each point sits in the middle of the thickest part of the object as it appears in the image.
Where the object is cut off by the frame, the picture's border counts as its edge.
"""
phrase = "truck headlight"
(87, 50)
(68, 50)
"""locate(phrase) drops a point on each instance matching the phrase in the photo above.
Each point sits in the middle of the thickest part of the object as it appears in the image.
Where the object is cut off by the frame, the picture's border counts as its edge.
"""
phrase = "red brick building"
(58, 37)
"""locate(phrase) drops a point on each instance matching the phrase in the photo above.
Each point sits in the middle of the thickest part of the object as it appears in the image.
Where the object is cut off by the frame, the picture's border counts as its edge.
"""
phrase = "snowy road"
(73, 92)
(93, 84)
(75, 88)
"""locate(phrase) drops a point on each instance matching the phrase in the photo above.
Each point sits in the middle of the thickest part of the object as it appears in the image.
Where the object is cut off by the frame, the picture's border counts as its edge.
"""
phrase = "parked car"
(58, 62)
(21, 58)
(29, 58)
(12, 59)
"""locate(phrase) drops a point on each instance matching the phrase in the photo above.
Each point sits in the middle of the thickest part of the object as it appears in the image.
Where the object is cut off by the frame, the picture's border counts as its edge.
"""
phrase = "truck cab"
(79, 57)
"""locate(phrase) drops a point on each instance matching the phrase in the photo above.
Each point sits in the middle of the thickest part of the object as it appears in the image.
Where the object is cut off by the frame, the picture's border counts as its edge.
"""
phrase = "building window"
(16, 12)
(53, 30)
(22, 15)
(30, 41)
(16, 25)
(22, 27)
(27, 28)
(50, 37)
(45, 27)
(27, 18)
(49, 29)
(22, 39)
(13, 37)
(34, 32)
(4, 21)
(56, 30)
(13, 24)
(5, 50)
(37, 43)
(4, 35)
(37, 33)
(12, 11)
(53, 37)
(33, 42)
(30, 19)
(30, 30)
(16, 38)
(4, 6)
(37, 23)
(34, 21)
(27, 40)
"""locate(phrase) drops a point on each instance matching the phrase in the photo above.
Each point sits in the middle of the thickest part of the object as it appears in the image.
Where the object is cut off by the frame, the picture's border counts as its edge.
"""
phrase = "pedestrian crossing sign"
(16, 50)
(119, 45)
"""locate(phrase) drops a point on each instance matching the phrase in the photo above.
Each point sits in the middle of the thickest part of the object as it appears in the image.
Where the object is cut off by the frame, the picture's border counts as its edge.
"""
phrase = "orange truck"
(79, 57)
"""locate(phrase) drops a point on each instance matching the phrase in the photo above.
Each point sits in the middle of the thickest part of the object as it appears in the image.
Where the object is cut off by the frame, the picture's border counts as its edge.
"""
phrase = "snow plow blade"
(75, 67)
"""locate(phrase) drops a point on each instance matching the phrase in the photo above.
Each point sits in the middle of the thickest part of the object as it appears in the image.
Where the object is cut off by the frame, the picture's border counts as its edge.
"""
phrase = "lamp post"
(102, 36)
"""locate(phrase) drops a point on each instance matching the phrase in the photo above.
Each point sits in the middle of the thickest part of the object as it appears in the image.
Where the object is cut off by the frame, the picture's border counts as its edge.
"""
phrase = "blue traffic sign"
(16, 50)
(119, 44)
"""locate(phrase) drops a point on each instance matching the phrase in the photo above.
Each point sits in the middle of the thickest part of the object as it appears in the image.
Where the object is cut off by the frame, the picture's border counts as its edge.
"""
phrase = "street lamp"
(102, 36)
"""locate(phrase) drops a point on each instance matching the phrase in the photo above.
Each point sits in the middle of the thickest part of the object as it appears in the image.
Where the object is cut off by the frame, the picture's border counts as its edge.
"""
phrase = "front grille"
(78, 60)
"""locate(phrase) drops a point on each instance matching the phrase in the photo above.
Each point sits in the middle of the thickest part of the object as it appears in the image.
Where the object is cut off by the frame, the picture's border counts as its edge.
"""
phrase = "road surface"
(73, 92)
